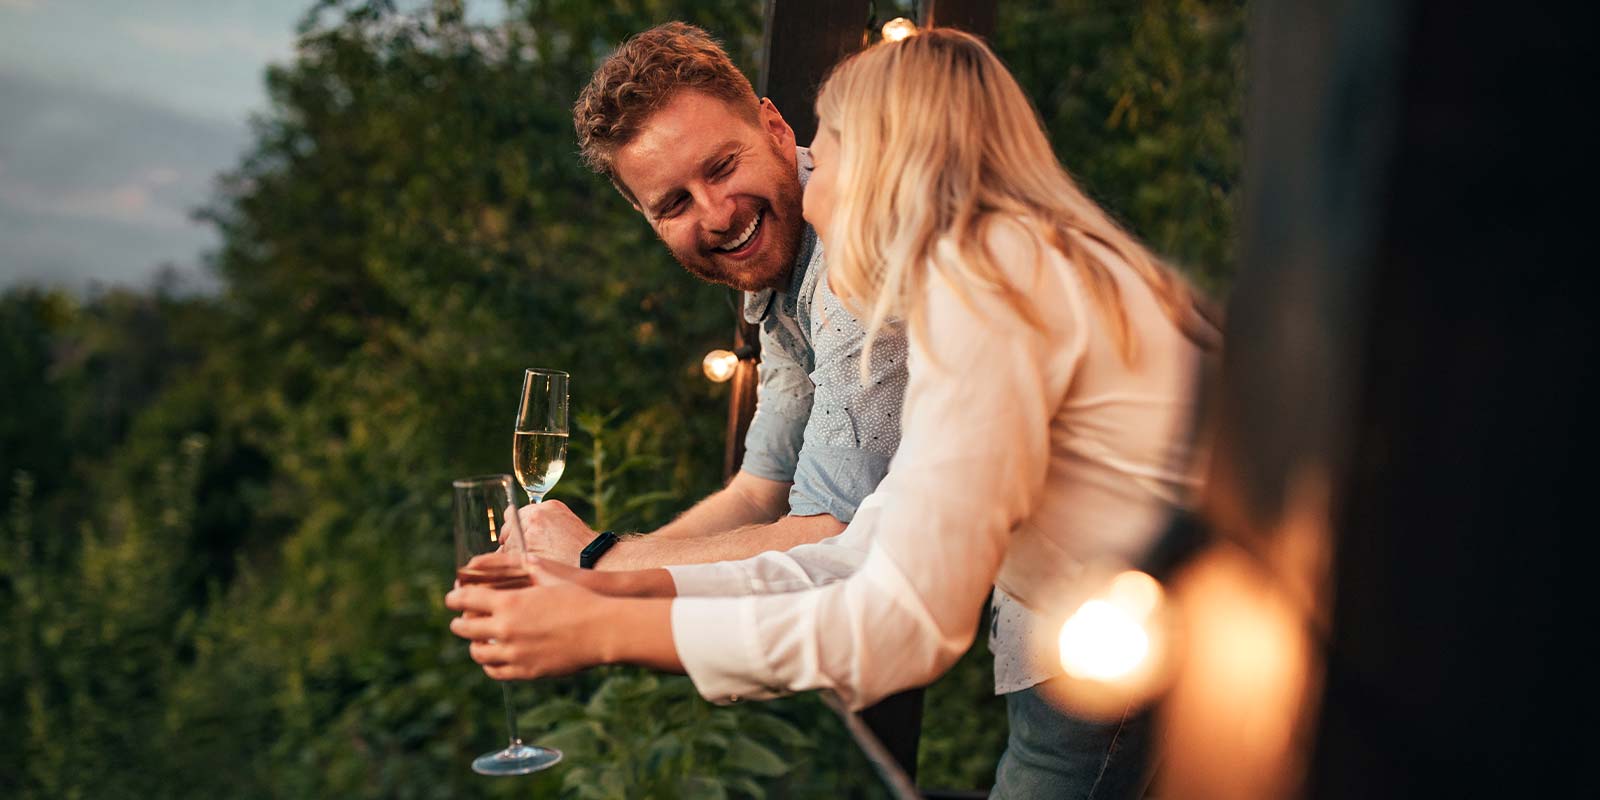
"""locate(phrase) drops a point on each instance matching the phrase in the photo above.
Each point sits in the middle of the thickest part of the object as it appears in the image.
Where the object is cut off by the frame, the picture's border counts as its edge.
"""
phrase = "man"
(716, 172)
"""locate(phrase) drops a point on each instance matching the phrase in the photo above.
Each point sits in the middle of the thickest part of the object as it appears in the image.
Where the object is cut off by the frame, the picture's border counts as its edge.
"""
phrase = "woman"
(1044, 426)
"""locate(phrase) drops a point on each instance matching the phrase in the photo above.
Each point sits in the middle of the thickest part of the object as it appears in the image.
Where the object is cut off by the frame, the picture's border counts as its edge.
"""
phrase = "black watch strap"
(597, 548)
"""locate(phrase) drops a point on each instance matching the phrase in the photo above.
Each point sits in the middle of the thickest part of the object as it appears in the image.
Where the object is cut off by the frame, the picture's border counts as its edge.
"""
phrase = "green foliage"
(642, 736)
(1142, 100)
(225, 538)
(594, 484)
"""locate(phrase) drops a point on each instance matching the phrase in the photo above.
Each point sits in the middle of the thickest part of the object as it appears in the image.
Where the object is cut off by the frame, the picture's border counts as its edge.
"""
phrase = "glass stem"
(505, 687)
(511, 715)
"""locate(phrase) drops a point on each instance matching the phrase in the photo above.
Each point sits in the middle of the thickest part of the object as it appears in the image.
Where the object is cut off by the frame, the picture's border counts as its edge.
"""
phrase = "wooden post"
(800, 42)
(977, 18)
(1407, 330)
(742, 397)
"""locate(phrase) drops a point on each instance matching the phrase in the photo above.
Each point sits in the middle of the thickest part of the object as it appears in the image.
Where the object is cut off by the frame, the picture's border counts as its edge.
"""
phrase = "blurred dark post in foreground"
(1407, 405)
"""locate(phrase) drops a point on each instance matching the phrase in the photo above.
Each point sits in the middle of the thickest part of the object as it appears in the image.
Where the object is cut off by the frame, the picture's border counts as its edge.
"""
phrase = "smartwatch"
(597, 548)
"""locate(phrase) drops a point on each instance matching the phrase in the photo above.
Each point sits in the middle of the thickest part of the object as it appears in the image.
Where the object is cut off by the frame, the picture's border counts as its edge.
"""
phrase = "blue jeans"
(1050, 754)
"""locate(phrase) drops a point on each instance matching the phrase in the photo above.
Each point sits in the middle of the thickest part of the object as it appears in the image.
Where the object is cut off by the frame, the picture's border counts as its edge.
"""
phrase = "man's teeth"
(744, 238)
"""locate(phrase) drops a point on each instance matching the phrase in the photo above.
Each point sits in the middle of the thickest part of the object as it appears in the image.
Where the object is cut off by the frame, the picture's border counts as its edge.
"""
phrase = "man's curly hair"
(641, 77)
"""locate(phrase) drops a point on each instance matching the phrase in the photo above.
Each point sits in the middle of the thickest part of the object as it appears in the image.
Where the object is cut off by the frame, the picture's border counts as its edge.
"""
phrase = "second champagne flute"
(488, 553)
(539, 445)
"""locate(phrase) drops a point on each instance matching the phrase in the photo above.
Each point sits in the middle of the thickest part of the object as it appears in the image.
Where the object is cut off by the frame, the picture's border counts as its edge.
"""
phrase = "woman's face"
(822, 188)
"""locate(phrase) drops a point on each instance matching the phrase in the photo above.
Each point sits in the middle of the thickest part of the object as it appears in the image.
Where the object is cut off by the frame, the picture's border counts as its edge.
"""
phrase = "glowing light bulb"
(719, 365)
(1109, 637)
(898, 29)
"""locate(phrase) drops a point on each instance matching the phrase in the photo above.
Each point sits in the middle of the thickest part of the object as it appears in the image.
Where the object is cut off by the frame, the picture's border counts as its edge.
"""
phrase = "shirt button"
(733, 698)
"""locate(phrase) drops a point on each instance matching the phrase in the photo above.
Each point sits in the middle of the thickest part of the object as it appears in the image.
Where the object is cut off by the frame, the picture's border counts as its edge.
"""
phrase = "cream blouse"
(1025, 454)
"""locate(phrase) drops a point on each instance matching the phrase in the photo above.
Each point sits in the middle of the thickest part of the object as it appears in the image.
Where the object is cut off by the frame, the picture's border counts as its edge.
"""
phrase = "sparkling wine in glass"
(539, 445)
(487, 553)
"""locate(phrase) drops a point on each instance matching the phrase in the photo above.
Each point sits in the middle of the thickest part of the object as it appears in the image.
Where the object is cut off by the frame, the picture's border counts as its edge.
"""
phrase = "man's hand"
(550, 530)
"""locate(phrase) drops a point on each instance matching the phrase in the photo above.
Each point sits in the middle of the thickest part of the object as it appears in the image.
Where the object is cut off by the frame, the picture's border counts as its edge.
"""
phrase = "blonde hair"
(938, 142)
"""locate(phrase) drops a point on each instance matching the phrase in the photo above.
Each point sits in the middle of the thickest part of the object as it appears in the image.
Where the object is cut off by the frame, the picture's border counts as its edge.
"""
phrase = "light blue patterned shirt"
(817, 423)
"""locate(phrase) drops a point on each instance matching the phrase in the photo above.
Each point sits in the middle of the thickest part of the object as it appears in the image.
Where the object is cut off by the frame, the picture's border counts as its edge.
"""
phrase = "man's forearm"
(654, 550)
(745, 501)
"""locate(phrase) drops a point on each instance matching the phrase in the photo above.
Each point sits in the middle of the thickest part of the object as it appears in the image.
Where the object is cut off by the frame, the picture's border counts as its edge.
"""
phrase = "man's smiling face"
(720, 189)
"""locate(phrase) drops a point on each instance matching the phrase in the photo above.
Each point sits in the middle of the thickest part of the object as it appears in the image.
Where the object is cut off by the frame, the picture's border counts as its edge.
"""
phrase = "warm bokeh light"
(1109, 637)
(720, 365)
(899, 28)
(1239, 718)
(1102, 642)
(1136, 592)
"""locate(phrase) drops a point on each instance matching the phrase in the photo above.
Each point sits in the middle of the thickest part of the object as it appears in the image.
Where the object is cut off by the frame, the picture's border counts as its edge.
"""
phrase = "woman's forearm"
(638, 631)
(633, 583)
(621, 583)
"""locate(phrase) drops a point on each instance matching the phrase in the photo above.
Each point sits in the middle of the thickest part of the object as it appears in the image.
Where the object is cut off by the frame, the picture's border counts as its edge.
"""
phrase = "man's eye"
(674, 208)
(724, 169)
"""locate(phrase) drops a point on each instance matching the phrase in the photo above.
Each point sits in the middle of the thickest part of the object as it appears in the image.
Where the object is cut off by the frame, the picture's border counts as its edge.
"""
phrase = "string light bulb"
(1116, 646)
(1113, 636)
(719, 365)
(899, 29)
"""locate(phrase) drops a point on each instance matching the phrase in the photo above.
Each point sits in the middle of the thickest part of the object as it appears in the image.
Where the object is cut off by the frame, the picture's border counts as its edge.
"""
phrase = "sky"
(115, 116)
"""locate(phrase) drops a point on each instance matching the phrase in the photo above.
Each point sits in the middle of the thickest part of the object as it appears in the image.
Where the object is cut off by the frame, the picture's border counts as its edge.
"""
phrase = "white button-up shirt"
(1026, 453)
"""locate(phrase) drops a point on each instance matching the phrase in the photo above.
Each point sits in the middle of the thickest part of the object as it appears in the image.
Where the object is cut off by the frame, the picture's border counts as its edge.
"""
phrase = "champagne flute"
(490, 554)
(539, 444)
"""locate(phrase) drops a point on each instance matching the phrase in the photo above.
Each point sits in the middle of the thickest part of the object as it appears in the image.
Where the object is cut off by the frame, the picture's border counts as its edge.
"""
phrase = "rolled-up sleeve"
(783, 404)
(972, 465)
(833, 480)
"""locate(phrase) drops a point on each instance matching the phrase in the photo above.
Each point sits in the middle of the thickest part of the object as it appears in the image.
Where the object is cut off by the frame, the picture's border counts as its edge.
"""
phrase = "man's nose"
(717, 212)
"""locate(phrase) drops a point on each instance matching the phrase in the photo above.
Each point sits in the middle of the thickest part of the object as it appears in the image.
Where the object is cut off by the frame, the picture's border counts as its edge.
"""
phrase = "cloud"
(187, 39)
(161, 176)
(97, 185)
(127, 203)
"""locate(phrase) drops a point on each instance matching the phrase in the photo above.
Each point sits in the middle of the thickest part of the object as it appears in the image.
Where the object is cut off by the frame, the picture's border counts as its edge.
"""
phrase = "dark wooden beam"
(973, 16)
(802, 41)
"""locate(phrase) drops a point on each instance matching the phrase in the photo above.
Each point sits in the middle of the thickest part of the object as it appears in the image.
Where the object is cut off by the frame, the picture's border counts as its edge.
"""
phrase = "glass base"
(518, 759)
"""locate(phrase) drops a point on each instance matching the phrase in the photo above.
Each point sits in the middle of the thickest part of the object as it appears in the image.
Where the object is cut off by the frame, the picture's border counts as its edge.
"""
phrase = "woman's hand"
(539, 631)
(554, 628)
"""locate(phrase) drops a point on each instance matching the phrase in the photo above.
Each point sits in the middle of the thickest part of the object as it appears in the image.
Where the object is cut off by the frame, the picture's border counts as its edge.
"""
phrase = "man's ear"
(774, 125)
